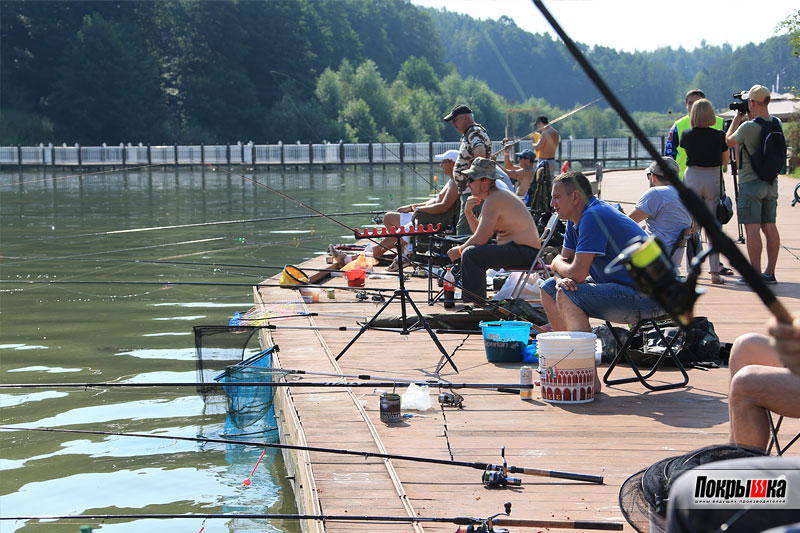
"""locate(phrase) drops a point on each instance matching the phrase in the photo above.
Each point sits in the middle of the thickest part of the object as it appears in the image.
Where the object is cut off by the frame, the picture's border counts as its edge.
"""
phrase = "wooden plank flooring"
(623, 431)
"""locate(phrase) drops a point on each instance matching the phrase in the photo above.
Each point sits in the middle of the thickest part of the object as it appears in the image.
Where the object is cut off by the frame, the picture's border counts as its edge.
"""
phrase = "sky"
(639, 24)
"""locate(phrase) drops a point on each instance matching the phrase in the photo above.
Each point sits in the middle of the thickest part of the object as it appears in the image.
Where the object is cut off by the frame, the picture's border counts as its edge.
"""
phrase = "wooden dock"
(625, 429)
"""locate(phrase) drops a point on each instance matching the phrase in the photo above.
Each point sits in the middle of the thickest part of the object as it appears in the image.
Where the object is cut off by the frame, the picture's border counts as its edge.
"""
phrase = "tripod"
(735, 174)
(402, 293)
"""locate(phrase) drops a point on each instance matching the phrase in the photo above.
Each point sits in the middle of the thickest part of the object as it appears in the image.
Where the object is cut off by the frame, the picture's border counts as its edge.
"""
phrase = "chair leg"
(624, 353)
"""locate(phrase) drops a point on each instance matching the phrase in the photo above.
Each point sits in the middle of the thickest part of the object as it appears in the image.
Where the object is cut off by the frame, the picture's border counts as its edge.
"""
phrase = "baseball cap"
(671, 163)
(528, 154)
(452, 155)
(459, 109)
(481, 168)
(757, 93)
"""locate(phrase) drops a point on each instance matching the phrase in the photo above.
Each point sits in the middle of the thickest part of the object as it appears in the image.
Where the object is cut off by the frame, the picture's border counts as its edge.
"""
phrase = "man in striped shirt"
(475, 142)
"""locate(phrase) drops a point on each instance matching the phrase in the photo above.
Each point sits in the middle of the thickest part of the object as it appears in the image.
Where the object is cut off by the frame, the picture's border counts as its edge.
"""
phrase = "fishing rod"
(269, 384)
(677, 298)
(486, 467)
(210, 283)
(217, 223)
(503, 313)
(195, 263)
(514, 140)
(485, 525)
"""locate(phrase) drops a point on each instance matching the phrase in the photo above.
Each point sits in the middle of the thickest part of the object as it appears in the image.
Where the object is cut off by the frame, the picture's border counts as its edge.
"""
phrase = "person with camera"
(706, 152)
(757, 203)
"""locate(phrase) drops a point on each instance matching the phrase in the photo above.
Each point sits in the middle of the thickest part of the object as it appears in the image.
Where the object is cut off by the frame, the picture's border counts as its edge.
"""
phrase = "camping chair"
(545, 237)
(773, 441)
(624, 353)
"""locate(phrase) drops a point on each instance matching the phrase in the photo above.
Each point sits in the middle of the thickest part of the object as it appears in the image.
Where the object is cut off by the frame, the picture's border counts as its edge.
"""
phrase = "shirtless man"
(502, 213)
(547, 145)
(522, 173)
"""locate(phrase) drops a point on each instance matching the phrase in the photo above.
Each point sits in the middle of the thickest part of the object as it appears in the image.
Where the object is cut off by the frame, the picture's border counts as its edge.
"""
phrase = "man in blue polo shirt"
(596, 233)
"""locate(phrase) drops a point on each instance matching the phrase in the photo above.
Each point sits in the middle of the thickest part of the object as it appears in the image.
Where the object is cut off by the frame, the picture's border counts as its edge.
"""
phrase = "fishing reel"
(362, 296)
(487, 526)
(496, 476)
(655, 276)
(451, 399)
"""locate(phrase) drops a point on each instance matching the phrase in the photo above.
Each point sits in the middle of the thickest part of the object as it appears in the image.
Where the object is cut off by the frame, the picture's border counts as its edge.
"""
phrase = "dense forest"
(190, 71)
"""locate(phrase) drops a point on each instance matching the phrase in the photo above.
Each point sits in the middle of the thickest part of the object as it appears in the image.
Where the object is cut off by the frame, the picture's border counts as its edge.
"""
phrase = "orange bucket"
(356, 277)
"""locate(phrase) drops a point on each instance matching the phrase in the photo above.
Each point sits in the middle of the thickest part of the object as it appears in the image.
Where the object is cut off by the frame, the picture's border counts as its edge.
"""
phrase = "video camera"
(741, 105)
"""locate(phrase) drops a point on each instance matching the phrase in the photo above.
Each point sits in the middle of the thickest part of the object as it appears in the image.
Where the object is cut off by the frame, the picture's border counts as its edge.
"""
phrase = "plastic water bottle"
(449, 290)
(368, 258)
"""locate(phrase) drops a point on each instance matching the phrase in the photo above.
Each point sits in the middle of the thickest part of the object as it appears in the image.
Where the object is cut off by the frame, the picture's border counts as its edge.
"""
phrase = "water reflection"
(57, 225)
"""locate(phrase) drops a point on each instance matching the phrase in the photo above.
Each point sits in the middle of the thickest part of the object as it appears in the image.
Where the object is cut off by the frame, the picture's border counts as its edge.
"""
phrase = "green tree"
(791, 24)
(417, 73)
(107, 86)
(358, 116)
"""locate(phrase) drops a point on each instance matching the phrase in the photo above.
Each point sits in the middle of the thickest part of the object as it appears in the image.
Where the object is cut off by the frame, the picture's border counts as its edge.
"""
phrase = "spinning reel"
(655, 276)
(496, 476)
(451, 399)
(486, 526)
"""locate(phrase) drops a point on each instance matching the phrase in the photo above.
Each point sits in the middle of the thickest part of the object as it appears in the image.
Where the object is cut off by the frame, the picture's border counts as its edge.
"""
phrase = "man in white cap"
(431, 212)
(757, 203)
(504, 215)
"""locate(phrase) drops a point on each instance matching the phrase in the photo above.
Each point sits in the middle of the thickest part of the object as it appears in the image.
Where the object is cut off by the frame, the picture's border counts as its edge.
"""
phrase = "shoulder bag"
(725, 206)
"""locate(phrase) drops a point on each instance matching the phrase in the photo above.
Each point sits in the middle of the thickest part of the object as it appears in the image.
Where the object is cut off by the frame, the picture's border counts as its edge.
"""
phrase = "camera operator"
(757, 203)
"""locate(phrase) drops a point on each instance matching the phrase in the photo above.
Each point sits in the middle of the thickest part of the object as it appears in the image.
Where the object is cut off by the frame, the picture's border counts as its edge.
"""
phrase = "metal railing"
(617, 152)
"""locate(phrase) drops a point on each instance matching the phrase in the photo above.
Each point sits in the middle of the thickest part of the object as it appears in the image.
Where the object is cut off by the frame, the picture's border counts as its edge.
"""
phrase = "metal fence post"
(176, 155)
(124, 153)
(149, 155)
(430, 152)
(630, 151)
(341, 152)
(80, 159)
(19, 155)
(310, 153)
(370, 152)
(595, 149)
(202, 154)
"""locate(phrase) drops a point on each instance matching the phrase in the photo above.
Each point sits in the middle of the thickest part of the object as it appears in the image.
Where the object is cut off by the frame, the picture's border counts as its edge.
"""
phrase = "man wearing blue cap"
(522, 173)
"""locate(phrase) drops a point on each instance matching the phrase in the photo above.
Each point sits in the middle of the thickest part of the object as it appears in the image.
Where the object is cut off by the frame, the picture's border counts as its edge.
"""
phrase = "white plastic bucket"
(567, 366)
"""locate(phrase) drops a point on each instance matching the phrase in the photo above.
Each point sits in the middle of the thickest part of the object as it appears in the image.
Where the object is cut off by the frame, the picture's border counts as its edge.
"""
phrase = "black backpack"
(770, 156)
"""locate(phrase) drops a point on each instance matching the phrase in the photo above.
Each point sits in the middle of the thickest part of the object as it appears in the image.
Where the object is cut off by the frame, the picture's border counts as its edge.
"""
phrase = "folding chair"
(624, 354)
(774, 428)
(545, 237)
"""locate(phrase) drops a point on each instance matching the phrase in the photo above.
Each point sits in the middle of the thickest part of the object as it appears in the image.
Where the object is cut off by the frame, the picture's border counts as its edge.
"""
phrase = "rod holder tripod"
(402, 293)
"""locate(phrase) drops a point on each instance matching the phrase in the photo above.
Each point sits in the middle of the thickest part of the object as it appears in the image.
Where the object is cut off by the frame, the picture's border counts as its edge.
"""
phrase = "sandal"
(716, 279)
(725, 271)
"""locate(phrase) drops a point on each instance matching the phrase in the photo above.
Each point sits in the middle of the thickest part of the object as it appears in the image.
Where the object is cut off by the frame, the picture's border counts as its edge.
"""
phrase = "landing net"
(223, 355)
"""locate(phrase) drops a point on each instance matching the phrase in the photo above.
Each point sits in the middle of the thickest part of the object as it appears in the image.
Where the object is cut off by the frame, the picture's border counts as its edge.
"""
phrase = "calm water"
(55, 226)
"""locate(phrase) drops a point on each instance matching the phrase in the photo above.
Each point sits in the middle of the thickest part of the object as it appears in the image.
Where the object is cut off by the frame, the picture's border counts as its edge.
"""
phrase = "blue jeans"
(608, 301)
(476, 259)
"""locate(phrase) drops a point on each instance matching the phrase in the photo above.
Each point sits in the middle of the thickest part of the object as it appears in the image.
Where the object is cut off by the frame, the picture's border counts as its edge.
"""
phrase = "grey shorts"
(757, 202)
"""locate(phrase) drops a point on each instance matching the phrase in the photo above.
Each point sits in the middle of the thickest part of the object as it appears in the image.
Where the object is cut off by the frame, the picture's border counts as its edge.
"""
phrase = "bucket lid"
(505, 323)
(565, 336)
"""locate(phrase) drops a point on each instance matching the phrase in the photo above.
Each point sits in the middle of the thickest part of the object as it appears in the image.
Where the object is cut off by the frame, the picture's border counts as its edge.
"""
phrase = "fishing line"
(476, 465)
(692, 202)
(54, 178)
(217, 223)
